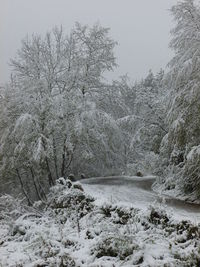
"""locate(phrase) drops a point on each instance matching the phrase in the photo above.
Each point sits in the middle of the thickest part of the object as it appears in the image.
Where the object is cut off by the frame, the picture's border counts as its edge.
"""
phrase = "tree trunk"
(71, 158)
(63, 161)
(30, 203)
(35, 185)
(51, 181)
(55, 158)
(42, 192)
(50, 177)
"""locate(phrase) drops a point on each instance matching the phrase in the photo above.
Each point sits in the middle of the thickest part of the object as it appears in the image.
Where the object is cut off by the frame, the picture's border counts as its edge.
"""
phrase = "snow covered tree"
(143, 124)
(53, 79)
(100, 143)
(184, 80)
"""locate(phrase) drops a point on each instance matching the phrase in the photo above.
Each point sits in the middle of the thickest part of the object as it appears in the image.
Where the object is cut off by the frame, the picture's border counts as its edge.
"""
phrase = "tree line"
(59, 115)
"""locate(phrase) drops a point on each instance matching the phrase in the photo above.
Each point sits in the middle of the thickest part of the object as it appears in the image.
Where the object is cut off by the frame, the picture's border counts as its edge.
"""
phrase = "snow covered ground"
(137, 192)
(121, 226)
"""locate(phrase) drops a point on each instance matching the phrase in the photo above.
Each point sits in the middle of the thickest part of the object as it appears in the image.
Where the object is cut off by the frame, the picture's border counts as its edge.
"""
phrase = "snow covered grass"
(72, 229)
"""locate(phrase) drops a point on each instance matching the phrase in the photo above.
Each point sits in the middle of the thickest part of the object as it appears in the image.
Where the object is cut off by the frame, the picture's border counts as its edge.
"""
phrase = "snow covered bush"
(98, 235)
(112, 246)
(67, 200)
(11, 208)
(118, 215)
(158, 214)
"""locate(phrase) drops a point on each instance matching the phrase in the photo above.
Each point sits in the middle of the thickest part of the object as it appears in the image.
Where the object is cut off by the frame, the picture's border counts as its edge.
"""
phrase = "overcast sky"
(141, 28)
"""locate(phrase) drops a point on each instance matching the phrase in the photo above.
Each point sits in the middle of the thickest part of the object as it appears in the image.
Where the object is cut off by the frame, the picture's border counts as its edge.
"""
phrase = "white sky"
(141, 27)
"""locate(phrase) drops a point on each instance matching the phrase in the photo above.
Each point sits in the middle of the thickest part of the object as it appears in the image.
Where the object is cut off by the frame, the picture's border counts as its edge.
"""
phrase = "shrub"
(120, 247)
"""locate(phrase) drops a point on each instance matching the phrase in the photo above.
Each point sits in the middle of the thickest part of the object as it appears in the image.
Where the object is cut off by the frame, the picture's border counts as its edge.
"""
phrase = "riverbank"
(175, 193)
